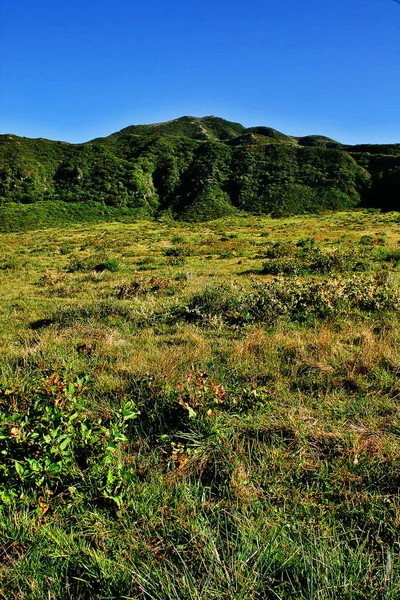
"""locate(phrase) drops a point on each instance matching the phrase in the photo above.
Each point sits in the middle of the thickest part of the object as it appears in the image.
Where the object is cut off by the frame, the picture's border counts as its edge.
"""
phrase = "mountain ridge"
(171, 122)
(199, 168)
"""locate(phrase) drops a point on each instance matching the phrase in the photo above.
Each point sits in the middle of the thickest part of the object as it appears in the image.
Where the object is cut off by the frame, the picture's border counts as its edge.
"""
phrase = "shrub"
(109, 264)
(176, 255)
(48, 440)
(280, 249)
(93, 263)
(388, 255)
(294, 300)
(315, 260)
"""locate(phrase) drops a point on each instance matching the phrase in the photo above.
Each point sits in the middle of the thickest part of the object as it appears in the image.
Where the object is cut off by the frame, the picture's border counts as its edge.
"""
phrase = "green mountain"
(199, 169)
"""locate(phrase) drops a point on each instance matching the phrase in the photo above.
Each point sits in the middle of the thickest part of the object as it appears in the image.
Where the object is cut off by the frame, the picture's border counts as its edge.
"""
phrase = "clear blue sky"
(77, 69)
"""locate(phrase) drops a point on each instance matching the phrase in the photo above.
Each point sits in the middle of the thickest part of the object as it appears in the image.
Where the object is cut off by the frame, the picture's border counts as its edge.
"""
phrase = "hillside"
(200, 169)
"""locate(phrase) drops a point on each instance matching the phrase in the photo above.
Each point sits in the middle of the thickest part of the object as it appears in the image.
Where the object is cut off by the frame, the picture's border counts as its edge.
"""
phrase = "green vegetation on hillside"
(42, 214)
(197, 170)
(201, 411)
(383, 163)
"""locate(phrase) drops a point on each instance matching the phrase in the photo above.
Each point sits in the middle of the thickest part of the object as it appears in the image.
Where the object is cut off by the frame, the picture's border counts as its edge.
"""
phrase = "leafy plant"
(49, 441)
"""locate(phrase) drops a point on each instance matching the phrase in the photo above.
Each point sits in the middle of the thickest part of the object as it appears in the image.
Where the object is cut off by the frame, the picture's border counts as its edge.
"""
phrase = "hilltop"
(195, 169)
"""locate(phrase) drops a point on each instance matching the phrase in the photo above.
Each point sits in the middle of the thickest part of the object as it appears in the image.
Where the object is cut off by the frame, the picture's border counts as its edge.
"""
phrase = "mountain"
(199, 169)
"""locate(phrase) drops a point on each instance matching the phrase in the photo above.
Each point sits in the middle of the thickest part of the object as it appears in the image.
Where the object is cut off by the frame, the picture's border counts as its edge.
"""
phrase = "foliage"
(295, 300)
(193, 169)
(314, 260)
(48, 441)
(97, 263)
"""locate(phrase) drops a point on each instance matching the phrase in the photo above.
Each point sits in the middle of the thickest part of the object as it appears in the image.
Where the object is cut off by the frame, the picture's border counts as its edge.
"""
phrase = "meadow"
(201, 411)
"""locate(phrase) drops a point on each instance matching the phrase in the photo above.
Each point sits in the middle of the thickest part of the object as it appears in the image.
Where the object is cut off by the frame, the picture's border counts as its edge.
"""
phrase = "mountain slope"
(201, 168)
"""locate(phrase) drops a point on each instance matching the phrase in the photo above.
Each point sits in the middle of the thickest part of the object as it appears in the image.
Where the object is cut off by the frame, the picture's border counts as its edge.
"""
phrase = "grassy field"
(201, 411)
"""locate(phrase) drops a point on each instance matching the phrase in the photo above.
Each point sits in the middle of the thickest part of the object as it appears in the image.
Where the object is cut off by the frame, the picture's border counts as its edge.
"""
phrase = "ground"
(201, 411)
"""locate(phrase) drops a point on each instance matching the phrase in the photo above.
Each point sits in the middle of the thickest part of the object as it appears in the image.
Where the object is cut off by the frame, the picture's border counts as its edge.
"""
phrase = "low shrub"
(106, 311)
(388, 255)
(314, 260)
(293, 300)
(175, 251)
(367, 240)
(176, 255)
(280, 249)
(49, 441)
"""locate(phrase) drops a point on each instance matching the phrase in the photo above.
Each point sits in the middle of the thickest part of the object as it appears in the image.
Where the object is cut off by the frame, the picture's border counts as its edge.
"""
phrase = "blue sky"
(79, 69)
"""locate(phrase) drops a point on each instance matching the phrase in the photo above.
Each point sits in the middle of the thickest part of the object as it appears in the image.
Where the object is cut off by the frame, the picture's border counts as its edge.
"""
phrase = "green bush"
(314, 260)
(280, 249)
(93, 263)
(50, 442)
(293, 300)
(176, 255)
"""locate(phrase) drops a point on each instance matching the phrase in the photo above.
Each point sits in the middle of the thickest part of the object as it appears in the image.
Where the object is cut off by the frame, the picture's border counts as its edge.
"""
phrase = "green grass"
(179, 422)
(48, 214)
